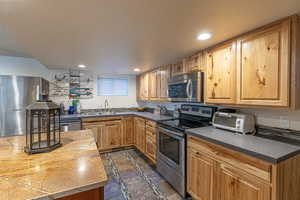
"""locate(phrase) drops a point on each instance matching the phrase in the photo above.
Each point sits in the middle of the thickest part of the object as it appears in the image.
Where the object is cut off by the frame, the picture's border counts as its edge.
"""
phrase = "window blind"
(112, 86)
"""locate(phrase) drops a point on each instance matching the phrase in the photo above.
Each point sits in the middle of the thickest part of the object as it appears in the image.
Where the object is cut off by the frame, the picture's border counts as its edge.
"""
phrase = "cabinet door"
(97, 130)
(239, 186)
(128, 131)
(112, 135)
(139, 84)
(221, 74)
(192, 63)
(154, 84)
(142, 82)
(178, 68)
(146, 86)
(202, 61)
(140, 134)
(200, 176)
(150, 146)
(164, 77)
(264, 67)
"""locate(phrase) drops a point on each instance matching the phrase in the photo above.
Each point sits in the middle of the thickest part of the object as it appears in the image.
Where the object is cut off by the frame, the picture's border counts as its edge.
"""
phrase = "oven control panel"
(198, 110)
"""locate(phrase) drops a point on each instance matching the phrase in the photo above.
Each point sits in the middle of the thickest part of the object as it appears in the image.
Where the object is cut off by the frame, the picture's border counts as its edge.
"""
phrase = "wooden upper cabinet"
(195, 62)
(142, 89)
(154, 84)
(264, 66)
(178, 68)
(236, 186)
(139, 87)
(164, 77)
(221, 74)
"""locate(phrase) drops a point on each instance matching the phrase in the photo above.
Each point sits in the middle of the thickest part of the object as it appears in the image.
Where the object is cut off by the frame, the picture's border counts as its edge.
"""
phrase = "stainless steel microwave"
(186, 87)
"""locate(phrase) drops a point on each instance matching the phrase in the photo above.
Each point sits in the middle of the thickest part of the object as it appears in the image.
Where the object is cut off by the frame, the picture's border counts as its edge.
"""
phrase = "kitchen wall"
(30, 67)
(276, 118)
(97, 102)
(22, 66)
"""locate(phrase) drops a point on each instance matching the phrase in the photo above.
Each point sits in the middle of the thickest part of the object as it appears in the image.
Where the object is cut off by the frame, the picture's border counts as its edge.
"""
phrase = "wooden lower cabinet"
(234, 185)
(94, 194)
(201, 176)
(128, 130)
(217, 173)
(111, 136)
(140, 134)
(110, 132)
(151, 140)
(150, 146)
(97, 129)
(115, 132)
(145, 137)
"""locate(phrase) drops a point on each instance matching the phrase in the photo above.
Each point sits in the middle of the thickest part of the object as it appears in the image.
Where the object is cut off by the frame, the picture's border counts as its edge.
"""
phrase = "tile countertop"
(74, 167)
(146, 115)
(266, 149)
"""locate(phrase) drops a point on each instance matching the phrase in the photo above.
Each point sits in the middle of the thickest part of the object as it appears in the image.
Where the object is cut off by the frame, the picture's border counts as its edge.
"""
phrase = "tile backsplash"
(276, 118)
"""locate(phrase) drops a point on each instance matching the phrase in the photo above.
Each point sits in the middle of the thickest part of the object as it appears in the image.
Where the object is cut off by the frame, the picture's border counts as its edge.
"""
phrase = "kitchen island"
(73, 171)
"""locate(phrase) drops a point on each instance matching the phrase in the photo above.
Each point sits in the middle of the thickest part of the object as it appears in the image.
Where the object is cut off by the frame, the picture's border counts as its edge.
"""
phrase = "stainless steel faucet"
(106, 105)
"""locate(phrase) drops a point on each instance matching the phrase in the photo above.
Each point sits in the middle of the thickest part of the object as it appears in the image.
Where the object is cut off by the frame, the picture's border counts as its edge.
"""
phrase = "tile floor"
(131, 177)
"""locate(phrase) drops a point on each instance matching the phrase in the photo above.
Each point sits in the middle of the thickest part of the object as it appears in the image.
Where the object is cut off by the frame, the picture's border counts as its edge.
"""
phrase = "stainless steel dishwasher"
(70, 124)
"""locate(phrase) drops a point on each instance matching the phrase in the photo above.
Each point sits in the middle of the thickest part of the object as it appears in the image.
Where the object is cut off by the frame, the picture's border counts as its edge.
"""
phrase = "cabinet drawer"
(99, 119)
(150, 128)
(241, 161)
(151, 123)
(139, 120)
(151, 134)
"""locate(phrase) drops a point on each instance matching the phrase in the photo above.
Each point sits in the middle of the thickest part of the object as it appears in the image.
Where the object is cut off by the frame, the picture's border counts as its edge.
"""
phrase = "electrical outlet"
(284, 122)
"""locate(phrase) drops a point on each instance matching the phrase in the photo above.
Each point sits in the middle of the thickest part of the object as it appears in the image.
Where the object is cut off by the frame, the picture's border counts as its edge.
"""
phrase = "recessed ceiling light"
(81, 66)
(136, 69)
(204, 36)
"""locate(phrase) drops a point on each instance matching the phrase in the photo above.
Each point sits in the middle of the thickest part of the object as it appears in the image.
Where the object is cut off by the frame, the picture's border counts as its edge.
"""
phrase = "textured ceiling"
(115, 36)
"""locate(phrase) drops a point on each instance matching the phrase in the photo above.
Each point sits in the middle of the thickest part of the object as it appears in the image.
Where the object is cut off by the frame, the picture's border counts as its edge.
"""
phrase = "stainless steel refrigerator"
(16, 93)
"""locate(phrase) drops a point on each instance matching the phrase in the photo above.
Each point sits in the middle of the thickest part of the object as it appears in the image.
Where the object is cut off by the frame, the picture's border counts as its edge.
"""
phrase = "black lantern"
(42, 127)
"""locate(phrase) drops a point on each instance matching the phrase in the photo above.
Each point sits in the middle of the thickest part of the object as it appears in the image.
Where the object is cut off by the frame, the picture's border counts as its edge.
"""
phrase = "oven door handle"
(171, 133)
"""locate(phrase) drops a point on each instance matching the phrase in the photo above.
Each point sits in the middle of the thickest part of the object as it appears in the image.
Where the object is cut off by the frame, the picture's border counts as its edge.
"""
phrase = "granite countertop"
(146, 115)
(72, 168)
(266, 149)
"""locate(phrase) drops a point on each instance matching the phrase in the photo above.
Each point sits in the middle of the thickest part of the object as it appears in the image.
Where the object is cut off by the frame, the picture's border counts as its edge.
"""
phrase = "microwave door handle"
(191, 89)
(188, 89)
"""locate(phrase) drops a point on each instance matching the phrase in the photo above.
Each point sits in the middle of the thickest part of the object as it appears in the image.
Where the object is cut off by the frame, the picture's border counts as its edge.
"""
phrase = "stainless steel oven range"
(171, 143)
